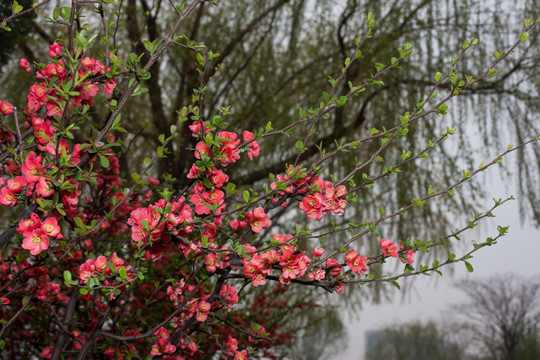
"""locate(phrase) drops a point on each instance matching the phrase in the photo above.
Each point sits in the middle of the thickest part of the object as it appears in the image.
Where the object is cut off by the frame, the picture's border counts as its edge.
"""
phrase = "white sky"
(517, 253)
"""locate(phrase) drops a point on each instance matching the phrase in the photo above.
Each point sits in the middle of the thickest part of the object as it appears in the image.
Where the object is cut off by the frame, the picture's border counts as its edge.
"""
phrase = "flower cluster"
(148, 224)
(206, 201)
(162, 344)
(406, 255)
(5, 108)
(288, 260)
(357, 263)
(319, 196)
(389, 248)
(101, 266)
(257, 219)
(36, 233)
(225, 148)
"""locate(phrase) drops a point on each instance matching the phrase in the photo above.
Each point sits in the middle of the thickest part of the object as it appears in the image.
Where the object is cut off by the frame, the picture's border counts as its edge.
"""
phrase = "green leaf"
(104, 161)
(300, 146)
(149, 46)
(379, 66)
(469, 266)
(200, 59)
(442, 109)
(418, 202)
(373, 131)
(122, 273)
(78, 222)
(67, 277)
(245, 195)
(145, 225)
(437, 76)
(16, 7)
(326, 97)
(146, 161)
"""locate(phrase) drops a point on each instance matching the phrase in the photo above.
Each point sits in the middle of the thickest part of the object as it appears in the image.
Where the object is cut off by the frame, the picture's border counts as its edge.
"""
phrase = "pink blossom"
(389, 248)
(25, 65)
(51, 228)
(7, 197)
(35, 241)
(109, 86)
(55, 49)
(16, 184)
(27, 225)
(333, 266)
(254, 147)
(257, 219)
(32, 168)
(5, 108)
(407, 255)
(317, 252)
(357, 263)
(46, 353)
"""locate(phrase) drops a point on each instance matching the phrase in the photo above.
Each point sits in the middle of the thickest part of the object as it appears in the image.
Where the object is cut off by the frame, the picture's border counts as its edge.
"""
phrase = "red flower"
(357, 263)
(25, 64)
(254, 147)
(35, 241)
(5, 108)
(7, 197)
(257, 219)
(55, 49)
(333, 264)
(51, 228)
(317, 252)
(32, 168)
(389, 248)
(407, 256)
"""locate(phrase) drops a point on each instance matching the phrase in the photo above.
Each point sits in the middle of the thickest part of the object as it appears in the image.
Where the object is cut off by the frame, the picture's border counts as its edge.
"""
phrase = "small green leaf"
(78, 222)
(67, 277)
(16, 7)
(418, 202)
(300, 146)
(122, 273)
(442, 109)
(146, 161)
(469, 266)
(104, 161)
(145, 225)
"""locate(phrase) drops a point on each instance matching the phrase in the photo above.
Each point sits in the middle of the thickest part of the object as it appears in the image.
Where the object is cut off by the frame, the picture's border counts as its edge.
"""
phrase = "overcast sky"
(517, 252)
